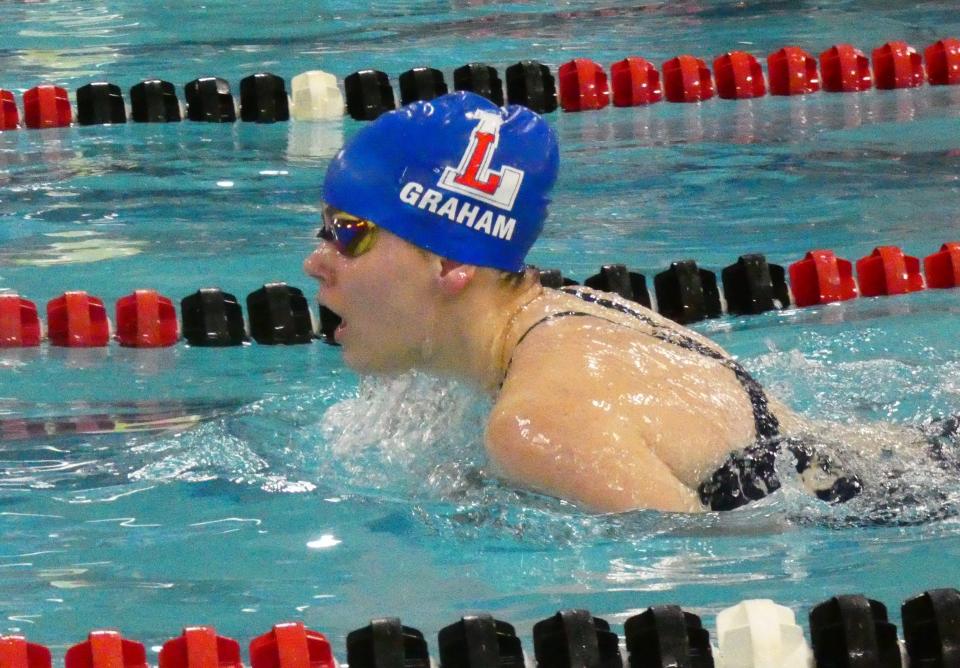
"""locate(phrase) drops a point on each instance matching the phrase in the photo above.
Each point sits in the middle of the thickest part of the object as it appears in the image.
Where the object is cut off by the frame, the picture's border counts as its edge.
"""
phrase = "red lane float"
(845, 69)
(943, 62)
(291, 646)
(820, 278)
(200, 647)
(887, 271)
(16, 652)
(583, 86)
(106, 649)
(635, 82)
(687, 79)
(9, 117)
(943, 268)
(792, 71)
(897, 65)
(738, 76)
(46, 106)
(77, 320)
(19, 322)
(145, 319)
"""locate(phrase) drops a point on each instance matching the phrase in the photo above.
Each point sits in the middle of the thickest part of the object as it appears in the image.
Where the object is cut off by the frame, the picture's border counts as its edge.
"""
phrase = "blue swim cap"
(458, 176)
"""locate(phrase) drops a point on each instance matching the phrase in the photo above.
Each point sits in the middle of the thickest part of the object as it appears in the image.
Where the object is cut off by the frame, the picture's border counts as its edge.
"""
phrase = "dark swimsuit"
(748, 474)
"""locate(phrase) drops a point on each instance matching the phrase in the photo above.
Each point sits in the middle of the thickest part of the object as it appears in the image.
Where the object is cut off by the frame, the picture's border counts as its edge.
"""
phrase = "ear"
(455, 276)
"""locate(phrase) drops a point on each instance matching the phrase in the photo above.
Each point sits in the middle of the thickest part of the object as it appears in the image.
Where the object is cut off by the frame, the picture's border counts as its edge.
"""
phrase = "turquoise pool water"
(285, 488)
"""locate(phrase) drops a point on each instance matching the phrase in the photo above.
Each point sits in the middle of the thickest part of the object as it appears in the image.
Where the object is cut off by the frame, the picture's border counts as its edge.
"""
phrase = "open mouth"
(332, 324)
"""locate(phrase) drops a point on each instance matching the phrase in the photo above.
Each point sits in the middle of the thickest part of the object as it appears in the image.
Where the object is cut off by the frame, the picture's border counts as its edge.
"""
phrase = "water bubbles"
(412, 435)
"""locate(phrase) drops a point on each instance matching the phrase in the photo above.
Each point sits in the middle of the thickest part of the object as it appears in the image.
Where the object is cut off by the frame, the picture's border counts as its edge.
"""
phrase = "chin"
(373, 365)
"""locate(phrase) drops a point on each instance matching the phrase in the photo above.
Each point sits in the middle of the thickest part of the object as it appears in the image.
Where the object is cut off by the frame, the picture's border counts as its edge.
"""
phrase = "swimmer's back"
(616, 401)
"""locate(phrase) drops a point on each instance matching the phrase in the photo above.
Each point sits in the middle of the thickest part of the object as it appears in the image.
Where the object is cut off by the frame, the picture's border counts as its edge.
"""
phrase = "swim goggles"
(351, 236)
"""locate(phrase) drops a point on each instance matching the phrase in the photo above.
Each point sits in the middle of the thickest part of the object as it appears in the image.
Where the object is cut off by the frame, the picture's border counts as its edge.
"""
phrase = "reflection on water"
(761, 120)
(91, 247)
(314, 140)
(57, 65)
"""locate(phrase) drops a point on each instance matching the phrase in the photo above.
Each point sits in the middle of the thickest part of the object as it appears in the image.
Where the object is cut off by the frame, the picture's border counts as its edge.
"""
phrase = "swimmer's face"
(383, 297)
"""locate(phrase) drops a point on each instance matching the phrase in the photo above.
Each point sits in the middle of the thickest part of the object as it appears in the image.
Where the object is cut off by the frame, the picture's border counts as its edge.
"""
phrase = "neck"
(475, 329)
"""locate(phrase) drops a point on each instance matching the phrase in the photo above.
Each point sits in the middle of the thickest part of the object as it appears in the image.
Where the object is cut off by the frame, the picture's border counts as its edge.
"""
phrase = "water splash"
(412, 436)
(416, 442)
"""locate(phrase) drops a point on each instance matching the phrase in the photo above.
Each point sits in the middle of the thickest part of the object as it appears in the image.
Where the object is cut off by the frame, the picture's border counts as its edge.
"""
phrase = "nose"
(318, 263)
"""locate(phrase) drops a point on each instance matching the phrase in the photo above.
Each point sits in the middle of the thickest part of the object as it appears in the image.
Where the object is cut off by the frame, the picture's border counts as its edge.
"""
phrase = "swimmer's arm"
(575, 455)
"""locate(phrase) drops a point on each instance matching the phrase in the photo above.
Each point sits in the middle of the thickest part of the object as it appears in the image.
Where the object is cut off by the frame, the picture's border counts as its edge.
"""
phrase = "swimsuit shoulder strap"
(546, 318)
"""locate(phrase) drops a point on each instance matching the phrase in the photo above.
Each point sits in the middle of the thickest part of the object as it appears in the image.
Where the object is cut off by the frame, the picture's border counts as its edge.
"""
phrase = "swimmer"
(429, 213)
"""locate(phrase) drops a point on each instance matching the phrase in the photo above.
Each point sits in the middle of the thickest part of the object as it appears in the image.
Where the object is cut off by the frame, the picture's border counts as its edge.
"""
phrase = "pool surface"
(242, 487)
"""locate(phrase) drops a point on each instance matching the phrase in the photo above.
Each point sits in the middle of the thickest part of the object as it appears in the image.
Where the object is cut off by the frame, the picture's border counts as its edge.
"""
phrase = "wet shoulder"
(567, 341)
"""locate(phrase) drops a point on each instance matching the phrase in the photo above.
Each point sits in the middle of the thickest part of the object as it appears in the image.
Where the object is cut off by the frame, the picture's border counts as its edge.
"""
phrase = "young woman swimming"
(429, 214)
